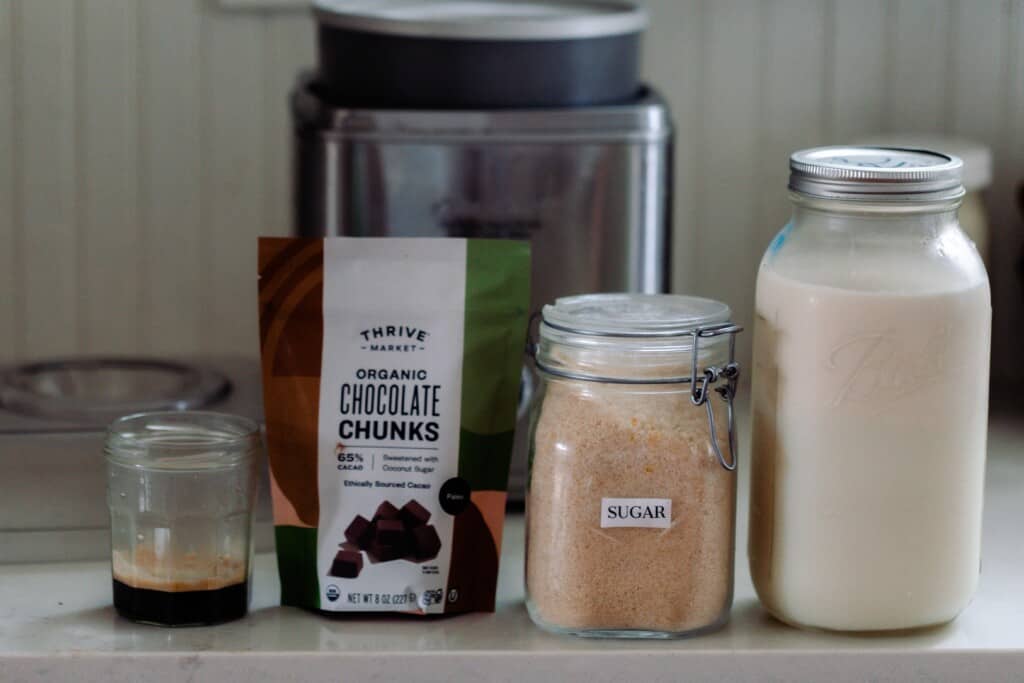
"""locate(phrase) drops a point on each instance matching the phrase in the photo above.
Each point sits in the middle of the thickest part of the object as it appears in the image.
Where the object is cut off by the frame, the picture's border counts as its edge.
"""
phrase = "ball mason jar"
(632, 486)
(870, 391)
(181, 487)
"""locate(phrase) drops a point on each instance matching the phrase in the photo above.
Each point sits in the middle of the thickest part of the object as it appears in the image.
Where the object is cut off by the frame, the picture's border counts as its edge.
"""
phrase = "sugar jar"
(632, 486)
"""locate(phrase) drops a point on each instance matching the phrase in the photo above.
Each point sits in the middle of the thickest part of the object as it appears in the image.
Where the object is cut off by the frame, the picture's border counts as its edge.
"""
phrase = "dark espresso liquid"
(182, 608)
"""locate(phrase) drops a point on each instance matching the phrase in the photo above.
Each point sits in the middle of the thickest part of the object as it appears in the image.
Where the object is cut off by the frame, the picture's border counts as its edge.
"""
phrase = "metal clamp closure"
(699, 391)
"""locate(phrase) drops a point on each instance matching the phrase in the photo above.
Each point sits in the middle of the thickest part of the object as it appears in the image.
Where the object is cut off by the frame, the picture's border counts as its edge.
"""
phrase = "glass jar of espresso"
(181, 488)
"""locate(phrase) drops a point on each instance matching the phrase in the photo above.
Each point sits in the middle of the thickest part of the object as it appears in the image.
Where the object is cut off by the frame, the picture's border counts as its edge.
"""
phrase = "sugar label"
(636, 512)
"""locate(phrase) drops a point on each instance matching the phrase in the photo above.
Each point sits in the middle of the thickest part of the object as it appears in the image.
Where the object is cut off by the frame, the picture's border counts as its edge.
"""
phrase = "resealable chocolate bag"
(391, 371)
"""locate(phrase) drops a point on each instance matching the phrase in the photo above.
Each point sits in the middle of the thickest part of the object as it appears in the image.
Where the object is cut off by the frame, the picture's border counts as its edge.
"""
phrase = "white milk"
(870, 412)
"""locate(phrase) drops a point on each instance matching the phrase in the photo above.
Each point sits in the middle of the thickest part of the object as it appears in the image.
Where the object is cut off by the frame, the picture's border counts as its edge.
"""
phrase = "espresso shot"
(185, 591)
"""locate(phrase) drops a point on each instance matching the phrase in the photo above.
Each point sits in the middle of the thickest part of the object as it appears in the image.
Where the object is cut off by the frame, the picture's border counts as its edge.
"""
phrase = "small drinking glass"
(181, 488)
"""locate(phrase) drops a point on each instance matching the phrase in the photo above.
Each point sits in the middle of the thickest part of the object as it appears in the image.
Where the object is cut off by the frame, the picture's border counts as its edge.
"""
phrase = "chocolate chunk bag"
(391, 371)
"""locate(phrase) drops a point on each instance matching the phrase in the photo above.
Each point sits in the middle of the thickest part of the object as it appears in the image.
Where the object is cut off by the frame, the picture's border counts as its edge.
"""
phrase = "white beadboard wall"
(144, 145)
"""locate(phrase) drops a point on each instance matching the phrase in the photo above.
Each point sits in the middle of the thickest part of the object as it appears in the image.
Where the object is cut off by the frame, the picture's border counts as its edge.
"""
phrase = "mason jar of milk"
(870, 385)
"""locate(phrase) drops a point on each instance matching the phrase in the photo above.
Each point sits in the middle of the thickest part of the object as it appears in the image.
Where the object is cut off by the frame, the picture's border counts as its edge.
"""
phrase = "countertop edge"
(738, 666)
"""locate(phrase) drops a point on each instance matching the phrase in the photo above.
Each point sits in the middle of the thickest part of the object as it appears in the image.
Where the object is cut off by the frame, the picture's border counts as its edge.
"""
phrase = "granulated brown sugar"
(595, 441)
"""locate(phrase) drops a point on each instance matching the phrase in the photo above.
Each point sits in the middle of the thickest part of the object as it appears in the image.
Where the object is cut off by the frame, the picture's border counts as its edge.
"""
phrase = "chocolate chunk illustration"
(394, 534)
(385, 511)
(360, 532)
(347, 564)
(414, 514)
(390, 532)
(386, 553)
(425, 543)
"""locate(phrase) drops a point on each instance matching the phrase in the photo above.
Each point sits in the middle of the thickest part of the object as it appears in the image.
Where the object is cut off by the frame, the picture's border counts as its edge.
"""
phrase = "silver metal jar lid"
(484, 19)
(876, 174)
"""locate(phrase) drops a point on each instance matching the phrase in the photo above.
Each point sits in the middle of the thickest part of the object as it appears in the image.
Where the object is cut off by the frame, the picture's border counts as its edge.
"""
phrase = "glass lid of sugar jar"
(633, 338)
(633, 315)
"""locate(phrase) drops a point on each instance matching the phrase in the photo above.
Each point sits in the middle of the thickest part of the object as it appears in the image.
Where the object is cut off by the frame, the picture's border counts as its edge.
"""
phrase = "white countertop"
(56, 623)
